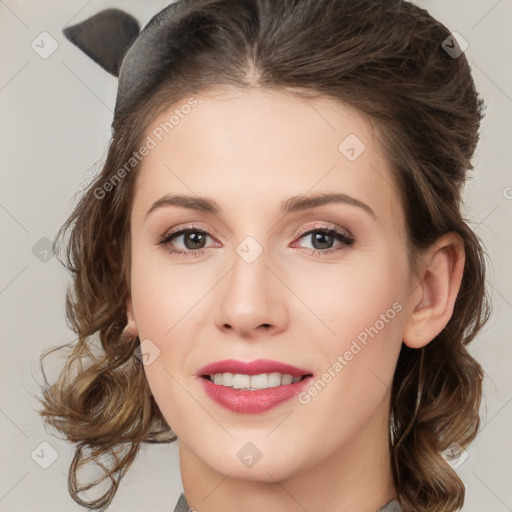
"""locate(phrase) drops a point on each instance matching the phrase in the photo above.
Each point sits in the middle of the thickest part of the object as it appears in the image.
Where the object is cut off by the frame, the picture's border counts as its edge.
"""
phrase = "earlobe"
(131, 325)
(442, 268)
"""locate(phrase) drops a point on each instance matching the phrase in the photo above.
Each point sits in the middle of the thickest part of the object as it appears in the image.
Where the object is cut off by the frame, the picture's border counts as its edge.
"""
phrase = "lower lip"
(252, 402)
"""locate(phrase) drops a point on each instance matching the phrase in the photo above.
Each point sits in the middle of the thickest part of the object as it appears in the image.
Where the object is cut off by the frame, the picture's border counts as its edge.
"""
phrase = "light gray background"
(55, 116)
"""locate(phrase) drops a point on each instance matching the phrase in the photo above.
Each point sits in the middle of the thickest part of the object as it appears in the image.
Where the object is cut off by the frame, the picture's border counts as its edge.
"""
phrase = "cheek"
(356, 379)
(161, 295)
(350, 299)
(168, 313)
(362, 316)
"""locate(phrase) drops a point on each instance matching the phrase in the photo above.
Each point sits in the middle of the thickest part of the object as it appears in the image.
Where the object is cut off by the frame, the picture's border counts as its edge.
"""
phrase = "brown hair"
(384, 58)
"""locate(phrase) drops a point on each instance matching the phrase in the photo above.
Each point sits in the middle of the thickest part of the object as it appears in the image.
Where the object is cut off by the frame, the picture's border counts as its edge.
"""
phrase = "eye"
(192, 243)
(194, 239)
(323, 237)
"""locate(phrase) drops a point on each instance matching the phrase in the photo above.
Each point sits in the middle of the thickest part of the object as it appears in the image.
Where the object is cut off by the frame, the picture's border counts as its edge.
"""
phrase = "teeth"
(241, 381)
(260, 381)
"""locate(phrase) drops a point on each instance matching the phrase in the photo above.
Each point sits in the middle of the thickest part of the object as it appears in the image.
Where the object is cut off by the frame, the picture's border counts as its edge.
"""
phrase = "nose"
(251, 301)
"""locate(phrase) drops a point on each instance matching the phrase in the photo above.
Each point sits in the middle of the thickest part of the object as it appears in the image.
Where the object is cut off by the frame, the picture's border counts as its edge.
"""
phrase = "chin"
(244, 461)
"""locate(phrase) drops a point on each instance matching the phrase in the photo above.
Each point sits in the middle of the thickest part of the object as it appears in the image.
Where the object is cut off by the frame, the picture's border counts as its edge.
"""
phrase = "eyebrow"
(293, 204)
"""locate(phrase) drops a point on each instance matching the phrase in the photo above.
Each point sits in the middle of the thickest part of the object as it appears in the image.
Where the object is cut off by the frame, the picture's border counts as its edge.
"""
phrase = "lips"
(255, 367)
(252, 401)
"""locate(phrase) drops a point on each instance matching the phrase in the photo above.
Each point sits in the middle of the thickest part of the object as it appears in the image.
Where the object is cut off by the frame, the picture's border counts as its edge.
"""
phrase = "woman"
(275, 262)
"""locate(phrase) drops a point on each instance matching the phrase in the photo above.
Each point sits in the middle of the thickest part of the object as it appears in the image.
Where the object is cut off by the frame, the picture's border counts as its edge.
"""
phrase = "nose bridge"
(251, 296)
(249, 278)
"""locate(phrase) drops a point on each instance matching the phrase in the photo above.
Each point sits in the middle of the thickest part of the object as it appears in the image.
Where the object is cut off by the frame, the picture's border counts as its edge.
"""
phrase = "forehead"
(258, 147)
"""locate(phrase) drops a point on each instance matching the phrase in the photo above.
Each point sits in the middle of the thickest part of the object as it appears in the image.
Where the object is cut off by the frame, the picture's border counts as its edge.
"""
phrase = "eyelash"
(345, 238)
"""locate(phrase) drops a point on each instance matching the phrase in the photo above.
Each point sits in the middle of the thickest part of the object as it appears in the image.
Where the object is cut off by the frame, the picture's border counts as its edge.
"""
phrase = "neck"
(355, 478)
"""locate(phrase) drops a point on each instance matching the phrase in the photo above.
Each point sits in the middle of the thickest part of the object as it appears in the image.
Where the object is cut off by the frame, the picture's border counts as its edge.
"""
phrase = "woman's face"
(259, 277)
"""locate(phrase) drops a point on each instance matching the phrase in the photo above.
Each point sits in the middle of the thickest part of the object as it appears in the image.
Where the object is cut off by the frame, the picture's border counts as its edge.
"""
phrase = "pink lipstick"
(252, 387)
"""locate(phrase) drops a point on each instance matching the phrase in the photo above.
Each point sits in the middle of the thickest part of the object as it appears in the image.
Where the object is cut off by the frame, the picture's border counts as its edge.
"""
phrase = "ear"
(441, 270)
(131, 326)
(105, 37)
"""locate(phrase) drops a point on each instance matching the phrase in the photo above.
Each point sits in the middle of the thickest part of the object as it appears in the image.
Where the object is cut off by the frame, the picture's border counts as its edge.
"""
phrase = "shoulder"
(391, 506)
(181, 505)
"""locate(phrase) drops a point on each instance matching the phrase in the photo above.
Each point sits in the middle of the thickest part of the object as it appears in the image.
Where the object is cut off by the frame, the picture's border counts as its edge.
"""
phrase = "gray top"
(391, 506)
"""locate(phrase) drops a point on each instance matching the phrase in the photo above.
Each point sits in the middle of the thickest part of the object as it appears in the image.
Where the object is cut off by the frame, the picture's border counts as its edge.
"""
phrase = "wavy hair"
(383, 58)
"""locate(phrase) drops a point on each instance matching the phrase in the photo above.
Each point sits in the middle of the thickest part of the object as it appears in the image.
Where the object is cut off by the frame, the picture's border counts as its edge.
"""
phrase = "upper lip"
(255, 367)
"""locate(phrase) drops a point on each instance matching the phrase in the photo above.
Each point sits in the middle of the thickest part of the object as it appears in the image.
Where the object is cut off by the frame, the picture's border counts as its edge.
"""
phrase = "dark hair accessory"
(140, 60)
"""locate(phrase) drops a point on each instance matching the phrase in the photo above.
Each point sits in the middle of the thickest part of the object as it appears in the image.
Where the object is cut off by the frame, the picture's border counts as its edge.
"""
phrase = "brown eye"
(192, 240)
(322, 240)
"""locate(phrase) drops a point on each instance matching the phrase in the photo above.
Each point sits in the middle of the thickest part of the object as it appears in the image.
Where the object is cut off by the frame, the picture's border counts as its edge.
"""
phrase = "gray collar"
(391, 506)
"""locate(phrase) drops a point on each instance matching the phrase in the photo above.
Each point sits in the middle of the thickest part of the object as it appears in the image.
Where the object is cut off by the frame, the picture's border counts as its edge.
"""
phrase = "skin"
(250, 151)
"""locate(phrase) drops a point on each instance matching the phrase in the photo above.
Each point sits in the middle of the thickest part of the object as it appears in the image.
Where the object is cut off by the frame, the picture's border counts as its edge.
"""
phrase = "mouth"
(252, 387)
(254, 382)
(257, 374)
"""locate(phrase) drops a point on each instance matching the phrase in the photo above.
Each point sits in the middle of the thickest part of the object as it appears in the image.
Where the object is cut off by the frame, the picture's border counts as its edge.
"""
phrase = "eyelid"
(343, 235)
(186, 227)
(325, 226)
(302, 231)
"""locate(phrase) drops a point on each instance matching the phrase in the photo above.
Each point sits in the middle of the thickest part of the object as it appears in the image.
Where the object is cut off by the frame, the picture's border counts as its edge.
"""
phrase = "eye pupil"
(318, 238)
(196, 238)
